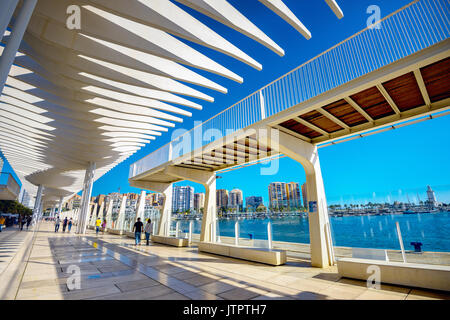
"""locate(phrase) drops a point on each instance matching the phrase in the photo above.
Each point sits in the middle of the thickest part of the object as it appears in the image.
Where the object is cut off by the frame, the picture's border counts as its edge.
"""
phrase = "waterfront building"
(99, 200)
(182, 198)
(236, 200)
(73, 202)
(284, 195)
(25, 198)
(133, 196)
(199, 201)
(253, 202)
(222, 199)
(304, 195)
(156, 199)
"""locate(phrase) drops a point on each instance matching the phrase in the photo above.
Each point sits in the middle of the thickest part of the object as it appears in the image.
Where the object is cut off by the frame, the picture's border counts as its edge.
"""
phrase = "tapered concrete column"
(87, 191)
(93, 215)
(100, 214)
(322, 254)
(37, 203)
(108, 216)
(7, 8)
(208, 180)
(20, 25)
(141, 207)
(60, 205)
(166, 213)
(121, 216)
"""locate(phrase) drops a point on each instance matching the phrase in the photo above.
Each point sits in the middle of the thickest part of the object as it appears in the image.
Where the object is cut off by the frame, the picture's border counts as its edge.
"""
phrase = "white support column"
(208, 180)
(141, 206)
(108, 216)
(60, 205)
(93, 215)
(87, 191)
(121, 217)
(7, 8)
(166, 213)
(99, 215)
(307, 154)
(9, 52)
(37, 203)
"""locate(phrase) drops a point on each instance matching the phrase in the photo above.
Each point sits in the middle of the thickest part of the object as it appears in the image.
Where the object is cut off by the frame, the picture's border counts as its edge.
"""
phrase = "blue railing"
(417, 26)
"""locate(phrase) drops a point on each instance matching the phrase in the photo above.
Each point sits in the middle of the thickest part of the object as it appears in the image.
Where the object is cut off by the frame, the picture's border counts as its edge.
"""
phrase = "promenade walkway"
(113, 268)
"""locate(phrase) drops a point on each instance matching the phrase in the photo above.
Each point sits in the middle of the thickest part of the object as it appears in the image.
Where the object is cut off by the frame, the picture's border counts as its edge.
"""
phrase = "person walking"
(2, 222)
(29, 221)
(98, 223)
(57, 222)
(65, 224)
(104, 225)
(69, 225)
(21, 222)
(137, 228)
(148, 230)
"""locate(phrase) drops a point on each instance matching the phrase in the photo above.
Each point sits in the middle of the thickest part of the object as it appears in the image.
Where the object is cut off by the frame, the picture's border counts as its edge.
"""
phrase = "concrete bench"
(171, 241)
(268, 256)
(427, 276)
(115, 231)
(371, 254)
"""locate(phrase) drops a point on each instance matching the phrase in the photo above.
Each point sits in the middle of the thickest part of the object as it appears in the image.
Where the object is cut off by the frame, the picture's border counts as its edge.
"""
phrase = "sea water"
(431, 229)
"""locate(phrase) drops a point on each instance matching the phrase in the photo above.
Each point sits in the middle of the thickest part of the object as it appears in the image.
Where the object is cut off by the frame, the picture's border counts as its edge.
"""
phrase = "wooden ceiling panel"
(346, 113)
(299, 128)
(405, 92)
(437, 80)
(372, 101)
(319, 120)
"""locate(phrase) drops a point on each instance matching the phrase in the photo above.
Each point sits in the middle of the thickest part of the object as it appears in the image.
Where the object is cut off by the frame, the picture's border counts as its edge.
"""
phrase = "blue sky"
(405, 159)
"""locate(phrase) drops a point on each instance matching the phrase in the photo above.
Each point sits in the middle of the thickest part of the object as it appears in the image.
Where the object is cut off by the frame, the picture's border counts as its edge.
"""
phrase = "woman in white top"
(148, 230)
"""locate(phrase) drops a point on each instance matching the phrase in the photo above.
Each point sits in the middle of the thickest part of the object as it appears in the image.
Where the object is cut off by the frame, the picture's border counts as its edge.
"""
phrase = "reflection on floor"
(111, 267)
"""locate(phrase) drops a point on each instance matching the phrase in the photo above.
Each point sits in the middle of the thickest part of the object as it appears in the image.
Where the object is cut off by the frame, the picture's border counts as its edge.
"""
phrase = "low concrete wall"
(273, 257)
(171, 241)
(115, 231)
(405, 274)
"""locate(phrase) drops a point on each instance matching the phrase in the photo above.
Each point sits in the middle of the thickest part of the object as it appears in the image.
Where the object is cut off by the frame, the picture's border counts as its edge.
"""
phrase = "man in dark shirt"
(137, 228)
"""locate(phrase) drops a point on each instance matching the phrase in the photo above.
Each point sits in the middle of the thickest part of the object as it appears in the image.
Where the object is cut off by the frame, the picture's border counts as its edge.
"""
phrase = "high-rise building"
(236, 199)
(182, 198)
(199, 201)
(222, 199)
(132, 196)
(305, 195)
(253, 202)
(100, 199)
(284, 195)
(155, 199)
(431, 197)
(25, 199)
(73, 202)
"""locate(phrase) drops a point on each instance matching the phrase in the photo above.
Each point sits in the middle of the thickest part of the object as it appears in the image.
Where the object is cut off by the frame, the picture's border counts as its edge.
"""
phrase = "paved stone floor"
(11, 239)
(111, 267)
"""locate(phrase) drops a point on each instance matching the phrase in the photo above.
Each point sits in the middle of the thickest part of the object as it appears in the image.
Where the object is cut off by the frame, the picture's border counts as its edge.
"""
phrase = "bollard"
(236, 233)
(269, 234)
(191, 223)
